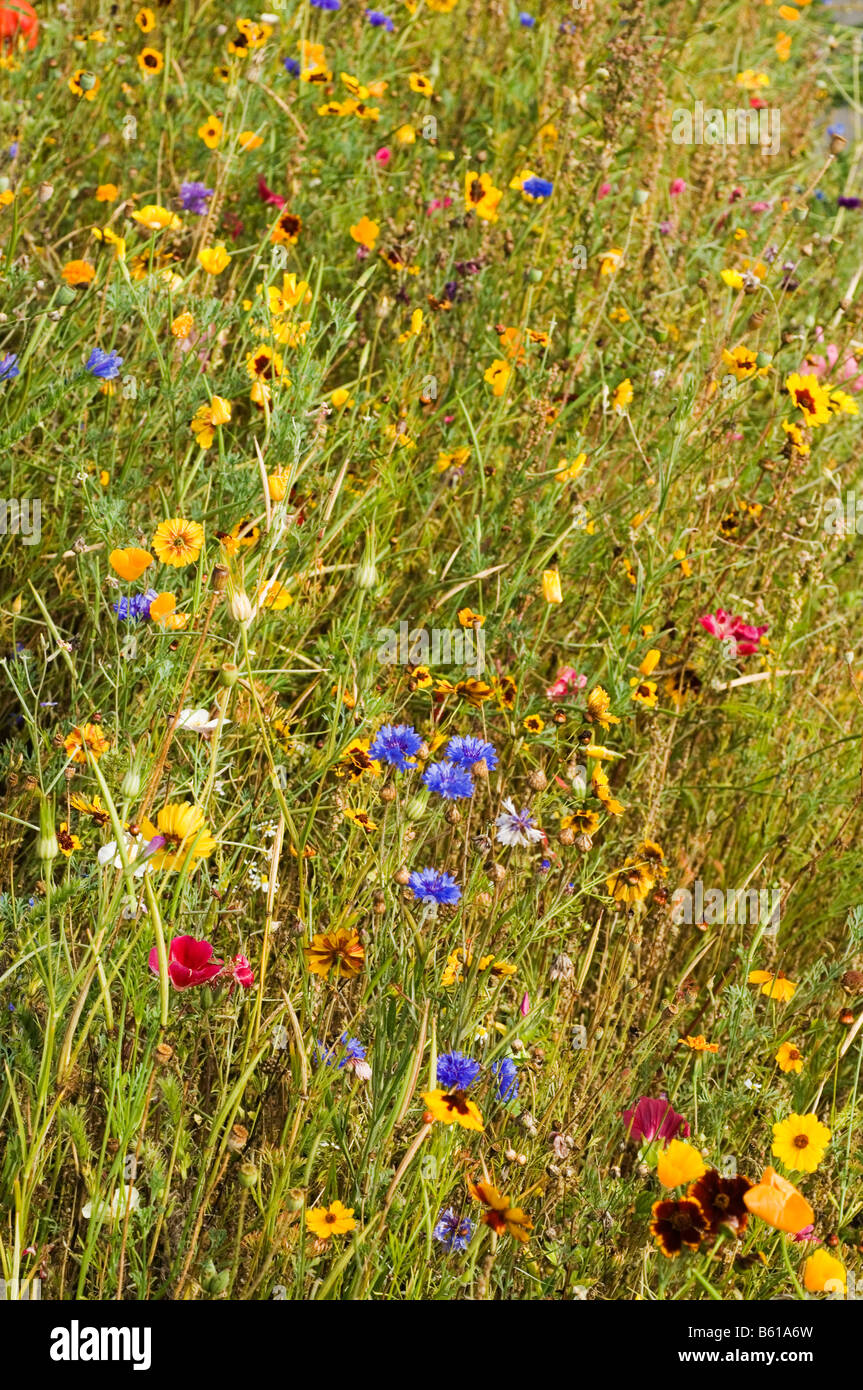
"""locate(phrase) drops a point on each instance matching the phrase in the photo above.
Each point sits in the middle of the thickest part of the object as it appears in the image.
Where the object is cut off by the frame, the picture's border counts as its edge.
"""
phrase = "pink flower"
(848, 367)
(383, 155)
(190, 962)
(437, 204)
(604, 190)
(654, 1119)
(722, 625)
(524, 1007)
(567, 679)
(677, 186)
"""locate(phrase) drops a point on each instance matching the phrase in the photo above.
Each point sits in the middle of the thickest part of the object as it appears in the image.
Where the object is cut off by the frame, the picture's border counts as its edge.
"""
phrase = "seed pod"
(537, 780)
(495, 872)
(567, 836)
(387, 793)
(163, 1054)
(402, 876)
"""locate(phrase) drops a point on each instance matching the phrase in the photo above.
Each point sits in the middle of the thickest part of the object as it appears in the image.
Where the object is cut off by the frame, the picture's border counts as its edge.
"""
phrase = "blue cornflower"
(380, 21)
(837, 129)
(326, 4)
(843, 202)
(434, 886)
(352, 1049)
(538, 188)
(135, 609)
(448, 780)
(456, 1072)
(507, 1078)
(464, 752)
(452, 1231)
(104, 365)
(526, 20)
(292, 66)
(9, 366)
(395, 743)
(195, 198)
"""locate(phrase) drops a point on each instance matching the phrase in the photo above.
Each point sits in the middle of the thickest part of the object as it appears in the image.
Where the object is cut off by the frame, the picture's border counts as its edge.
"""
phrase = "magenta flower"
(383, 155)
(190, 962)
(722, 625)
(241, 972)
(677, 186)
(654, 1119)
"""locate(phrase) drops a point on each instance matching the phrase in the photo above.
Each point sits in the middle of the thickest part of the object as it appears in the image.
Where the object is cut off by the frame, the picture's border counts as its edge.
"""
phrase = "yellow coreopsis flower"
(498, 375)
(334, 1220)
(800, 1142)
(180, 826)
(789, 1058)
(481, 196)
(810, 396)
(453, 1107)
(211, 132)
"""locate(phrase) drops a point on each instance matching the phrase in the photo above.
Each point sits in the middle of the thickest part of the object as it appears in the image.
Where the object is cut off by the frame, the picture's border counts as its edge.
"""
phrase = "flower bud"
(131, 784)
(241, 608)
(219, 578)
(551, 586)
(46, 842)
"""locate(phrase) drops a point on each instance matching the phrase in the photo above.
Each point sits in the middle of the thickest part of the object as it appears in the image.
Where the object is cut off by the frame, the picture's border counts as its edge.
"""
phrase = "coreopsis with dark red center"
(676, 1224)
(721, 1200)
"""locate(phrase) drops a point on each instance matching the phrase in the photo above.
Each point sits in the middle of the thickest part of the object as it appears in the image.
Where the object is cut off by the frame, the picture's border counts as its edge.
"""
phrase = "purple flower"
(292, 66)
(9, 366)
(654, 1119)
(448, 780)
(380, 21)
(434, 886)
(105, 366)
(464, 752)
(507, 1078)
(456, 1072)
(195, 198)
(853, 203)
(453, 1231)
(395, 743)
(526, 20)
(135, 609)
(326, 4)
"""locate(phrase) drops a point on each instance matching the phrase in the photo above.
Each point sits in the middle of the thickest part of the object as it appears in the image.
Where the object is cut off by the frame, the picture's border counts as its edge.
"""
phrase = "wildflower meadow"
(431, 714)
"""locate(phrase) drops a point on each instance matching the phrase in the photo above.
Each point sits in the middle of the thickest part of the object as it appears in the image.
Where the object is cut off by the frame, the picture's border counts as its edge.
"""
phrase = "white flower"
(123, 1198)
(198, 721)
(109, 854)
(516, 827)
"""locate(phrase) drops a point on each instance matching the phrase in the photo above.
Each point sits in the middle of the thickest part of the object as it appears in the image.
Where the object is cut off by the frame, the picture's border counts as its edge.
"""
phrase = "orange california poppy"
(130, 564)
(775, 1200)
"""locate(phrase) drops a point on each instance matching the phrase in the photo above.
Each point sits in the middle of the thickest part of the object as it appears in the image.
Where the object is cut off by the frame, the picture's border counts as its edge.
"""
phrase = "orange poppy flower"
(776, 1200)
(131, 563)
